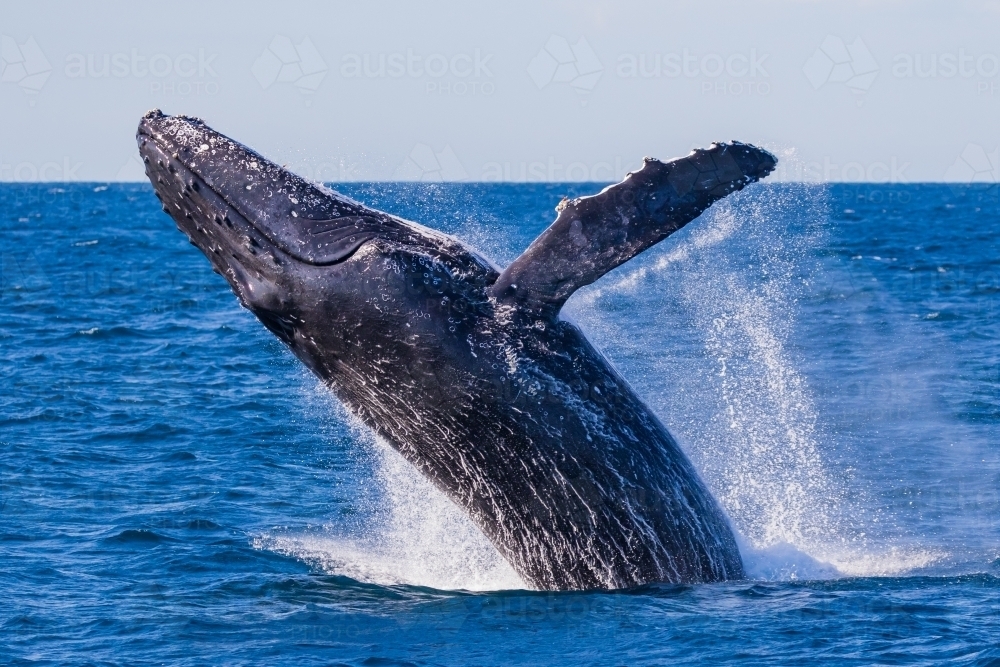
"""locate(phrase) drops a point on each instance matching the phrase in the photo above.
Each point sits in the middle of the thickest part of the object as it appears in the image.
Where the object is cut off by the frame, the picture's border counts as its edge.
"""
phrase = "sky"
(873, 91)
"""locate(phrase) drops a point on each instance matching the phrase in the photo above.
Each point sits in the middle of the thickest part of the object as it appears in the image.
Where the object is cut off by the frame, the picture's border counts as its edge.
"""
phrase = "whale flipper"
(593, 235)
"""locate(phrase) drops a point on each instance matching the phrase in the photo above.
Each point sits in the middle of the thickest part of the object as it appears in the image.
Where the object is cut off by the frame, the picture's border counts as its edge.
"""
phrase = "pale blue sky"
(880, 91)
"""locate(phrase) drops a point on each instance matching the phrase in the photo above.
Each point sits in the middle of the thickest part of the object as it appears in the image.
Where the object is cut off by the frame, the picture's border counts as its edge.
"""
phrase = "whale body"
(466, 369)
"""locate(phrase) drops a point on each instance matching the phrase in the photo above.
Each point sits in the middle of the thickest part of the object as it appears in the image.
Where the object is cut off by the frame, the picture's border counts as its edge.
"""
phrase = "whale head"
(273, 235)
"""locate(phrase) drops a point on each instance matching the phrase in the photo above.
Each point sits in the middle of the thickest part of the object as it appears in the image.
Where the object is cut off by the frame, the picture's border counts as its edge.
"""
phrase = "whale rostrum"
(466, 370)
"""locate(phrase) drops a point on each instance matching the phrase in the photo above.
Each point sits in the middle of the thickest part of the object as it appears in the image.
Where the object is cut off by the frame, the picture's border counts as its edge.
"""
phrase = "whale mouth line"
(343, 236)
(236, 248)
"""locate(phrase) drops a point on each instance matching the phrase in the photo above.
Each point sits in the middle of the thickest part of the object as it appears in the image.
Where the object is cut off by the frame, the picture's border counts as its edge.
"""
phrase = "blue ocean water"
(175, 487)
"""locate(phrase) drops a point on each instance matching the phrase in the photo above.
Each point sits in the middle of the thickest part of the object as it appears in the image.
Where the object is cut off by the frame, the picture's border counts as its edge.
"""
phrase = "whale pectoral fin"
(593, 235)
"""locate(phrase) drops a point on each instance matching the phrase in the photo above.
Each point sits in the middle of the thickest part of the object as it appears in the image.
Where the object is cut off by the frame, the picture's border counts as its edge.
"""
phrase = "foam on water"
(408, 532)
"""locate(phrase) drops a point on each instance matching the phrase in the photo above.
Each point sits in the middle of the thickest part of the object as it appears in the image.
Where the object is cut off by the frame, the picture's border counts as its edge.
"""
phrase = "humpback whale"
(467, 369)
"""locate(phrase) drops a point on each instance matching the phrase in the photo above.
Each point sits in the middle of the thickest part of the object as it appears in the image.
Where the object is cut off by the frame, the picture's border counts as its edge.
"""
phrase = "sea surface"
(175, 488)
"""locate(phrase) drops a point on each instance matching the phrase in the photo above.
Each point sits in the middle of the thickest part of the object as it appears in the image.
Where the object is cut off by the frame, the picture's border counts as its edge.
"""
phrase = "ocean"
(176, 488)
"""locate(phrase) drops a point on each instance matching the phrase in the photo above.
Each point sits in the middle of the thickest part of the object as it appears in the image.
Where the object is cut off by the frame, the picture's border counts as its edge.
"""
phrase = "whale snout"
(217, 161)
(187, 140)
(304, 221)
(237, 249)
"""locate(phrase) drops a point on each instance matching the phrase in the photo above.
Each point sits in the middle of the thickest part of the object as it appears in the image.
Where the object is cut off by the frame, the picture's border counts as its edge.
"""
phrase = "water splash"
(727, 291)
(756, 443)
(409, 532)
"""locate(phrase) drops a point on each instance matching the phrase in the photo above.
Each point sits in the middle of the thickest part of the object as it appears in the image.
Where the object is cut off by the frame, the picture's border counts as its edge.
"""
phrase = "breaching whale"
(465, 369)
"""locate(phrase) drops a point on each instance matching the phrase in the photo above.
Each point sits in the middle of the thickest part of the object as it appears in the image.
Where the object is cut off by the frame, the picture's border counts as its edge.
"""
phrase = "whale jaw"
(235, 246)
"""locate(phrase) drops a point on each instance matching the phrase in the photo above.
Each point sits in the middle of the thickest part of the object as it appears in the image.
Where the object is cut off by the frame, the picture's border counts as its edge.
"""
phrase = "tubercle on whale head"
(196, 174)
(305, 221)
(265, 193)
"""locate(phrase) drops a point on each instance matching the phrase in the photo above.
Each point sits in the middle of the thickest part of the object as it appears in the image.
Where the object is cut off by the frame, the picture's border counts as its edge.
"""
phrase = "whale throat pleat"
(593, 235)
